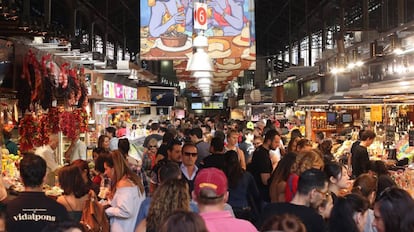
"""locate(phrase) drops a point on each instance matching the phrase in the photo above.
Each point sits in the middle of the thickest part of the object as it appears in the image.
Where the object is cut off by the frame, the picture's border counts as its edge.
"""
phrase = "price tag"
(200, 16)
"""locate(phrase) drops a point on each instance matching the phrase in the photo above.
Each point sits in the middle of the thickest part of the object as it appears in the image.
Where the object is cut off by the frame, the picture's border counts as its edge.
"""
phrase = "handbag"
(93, 215)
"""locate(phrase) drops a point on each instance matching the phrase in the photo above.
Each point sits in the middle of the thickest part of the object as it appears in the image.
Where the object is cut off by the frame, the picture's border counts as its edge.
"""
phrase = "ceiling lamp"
(133, 75)
(201, 74)
(200, 61)
(204, 81)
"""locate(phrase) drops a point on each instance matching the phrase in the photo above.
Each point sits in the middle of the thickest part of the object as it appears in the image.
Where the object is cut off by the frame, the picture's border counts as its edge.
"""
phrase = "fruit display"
(9, 164)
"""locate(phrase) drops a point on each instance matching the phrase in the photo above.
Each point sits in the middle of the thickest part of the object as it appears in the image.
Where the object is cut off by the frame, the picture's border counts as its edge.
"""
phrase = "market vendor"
(360, 156)
(47, 152)
(76, 150)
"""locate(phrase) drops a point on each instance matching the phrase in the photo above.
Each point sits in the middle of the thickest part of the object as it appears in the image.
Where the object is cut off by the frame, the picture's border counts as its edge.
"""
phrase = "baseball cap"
(211, 178)
(250, 125)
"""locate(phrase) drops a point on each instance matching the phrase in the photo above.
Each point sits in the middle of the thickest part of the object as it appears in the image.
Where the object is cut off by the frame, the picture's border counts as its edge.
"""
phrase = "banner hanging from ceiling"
(166, 31)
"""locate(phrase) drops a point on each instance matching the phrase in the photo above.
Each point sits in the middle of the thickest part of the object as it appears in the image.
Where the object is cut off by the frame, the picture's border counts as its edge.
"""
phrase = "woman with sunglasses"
(149, 156)
(393, 211)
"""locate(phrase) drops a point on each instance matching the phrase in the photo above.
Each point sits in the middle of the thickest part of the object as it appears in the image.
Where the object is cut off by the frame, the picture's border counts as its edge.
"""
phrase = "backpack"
(93, 217)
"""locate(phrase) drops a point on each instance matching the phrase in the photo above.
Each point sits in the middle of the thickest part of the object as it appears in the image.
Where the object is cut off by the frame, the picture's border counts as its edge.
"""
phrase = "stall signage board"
(119, 91)
(109, 89)
(376, 113)
(200, 16)
(130, 93)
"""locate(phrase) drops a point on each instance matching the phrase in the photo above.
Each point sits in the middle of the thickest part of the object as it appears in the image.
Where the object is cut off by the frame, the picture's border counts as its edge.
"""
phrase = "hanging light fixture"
(201, 74)
(133, 75)
(200, 64)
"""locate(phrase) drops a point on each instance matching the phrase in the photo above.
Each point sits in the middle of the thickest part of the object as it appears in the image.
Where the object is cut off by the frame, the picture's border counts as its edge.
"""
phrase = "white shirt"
(124, 209)
(79, 151)
(48, 154)
(185, 172)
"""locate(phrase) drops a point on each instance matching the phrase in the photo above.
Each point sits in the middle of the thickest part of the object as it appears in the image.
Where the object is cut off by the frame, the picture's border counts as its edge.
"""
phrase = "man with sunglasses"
(188, 166)
(312, 190)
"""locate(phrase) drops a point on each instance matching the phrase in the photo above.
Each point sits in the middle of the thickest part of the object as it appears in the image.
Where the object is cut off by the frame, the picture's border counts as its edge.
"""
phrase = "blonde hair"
(170, 196)
(308, 160)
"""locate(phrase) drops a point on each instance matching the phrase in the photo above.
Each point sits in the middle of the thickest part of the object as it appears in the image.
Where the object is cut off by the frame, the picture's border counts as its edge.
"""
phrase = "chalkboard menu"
(390, 133)
(411, 138)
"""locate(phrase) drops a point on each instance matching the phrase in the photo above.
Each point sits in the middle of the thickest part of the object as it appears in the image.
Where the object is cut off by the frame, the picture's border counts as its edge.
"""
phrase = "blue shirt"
(246, 188)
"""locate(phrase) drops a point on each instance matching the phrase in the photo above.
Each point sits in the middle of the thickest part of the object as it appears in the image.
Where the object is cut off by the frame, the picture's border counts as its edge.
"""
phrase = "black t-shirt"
(216, 161)
(32, 211)
(360, 160)
(312, 221)
(162, 150)
(356, 143)
(261, 163)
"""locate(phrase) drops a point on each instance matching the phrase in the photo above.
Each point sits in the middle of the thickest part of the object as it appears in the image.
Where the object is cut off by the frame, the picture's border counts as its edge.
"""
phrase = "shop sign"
(130, 93)
(109, 89)
(207, 106)
(213, 106)
(376, 113)
(200, 16)
(119, 91)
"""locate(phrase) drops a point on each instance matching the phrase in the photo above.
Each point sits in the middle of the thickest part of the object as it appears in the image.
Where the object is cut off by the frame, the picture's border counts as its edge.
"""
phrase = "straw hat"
(252, 66)
(243, 39)
(229, 64)
(249, 53)
(218, 48)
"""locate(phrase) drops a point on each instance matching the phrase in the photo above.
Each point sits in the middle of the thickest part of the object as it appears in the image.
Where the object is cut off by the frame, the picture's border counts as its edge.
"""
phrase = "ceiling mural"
(167, 30)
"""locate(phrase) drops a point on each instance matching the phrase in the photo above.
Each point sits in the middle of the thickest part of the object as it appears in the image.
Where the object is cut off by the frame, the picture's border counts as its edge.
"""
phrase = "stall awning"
(122, 102)
(383, 88)
(354, 100)
(315, 100)
(338, 99)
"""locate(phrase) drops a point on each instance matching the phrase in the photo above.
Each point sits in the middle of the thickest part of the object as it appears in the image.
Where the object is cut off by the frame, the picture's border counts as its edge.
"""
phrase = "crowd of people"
(214, 175)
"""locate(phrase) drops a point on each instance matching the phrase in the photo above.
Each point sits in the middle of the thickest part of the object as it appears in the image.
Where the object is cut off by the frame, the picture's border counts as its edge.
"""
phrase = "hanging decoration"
(45, 82)
(30, 131)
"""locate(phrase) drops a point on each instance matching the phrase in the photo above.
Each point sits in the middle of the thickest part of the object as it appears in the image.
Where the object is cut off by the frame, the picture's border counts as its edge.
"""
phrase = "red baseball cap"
(211, 178)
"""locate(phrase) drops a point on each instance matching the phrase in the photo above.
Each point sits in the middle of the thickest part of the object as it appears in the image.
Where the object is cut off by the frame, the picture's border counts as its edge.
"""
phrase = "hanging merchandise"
(30, 131)
(53, 118)
(45, 82)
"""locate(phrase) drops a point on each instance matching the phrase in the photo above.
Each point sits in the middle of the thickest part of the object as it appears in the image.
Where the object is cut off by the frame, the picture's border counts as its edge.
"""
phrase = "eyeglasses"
(155, 146)
(190, 154)
(325, 194)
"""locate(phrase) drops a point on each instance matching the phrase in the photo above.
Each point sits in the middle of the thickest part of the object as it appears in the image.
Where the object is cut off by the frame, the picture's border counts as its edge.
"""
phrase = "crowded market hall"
(207, 115)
